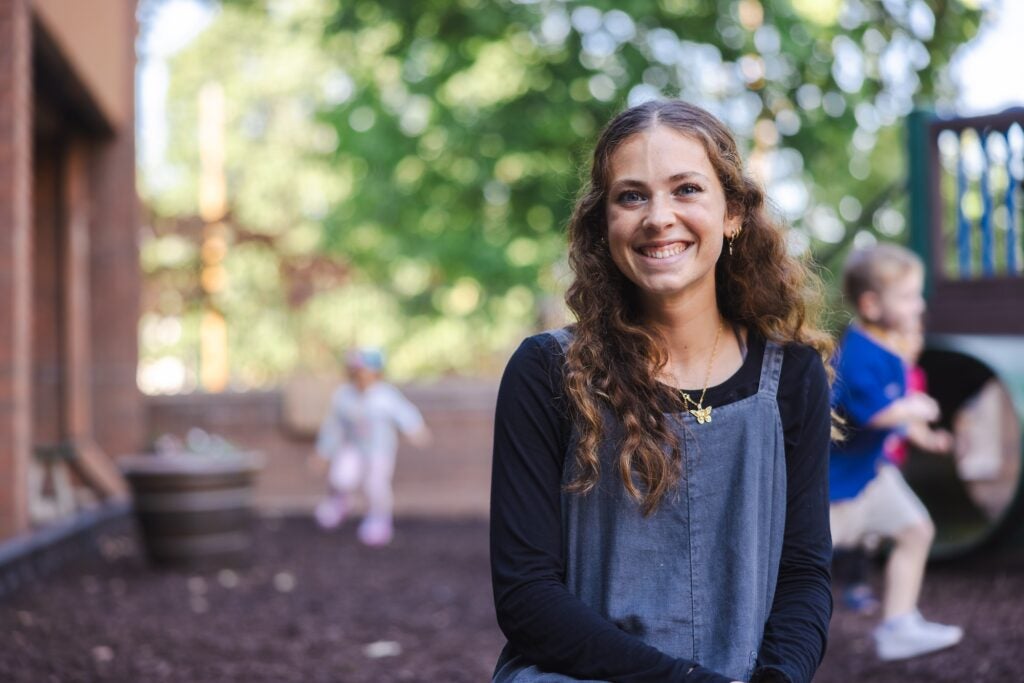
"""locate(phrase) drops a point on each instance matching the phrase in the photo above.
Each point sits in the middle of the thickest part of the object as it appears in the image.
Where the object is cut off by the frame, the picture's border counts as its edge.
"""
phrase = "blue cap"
(366, 357)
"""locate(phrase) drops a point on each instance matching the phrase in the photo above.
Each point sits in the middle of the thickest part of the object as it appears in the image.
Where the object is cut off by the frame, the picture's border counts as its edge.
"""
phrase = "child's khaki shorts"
(885, 507)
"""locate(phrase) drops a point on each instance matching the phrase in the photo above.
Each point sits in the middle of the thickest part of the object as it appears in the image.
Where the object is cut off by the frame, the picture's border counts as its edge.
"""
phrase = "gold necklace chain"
(699, 411)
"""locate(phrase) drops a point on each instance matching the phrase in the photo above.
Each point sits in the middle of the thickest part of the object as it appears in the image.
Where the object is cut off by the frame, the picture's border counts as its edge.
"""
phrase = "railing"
(966, 184)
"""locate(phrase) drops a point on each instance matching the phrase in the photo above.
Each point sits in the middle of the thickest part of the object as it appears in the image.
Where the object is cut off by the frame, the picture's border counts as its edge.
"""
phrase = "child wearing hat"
(359, 440)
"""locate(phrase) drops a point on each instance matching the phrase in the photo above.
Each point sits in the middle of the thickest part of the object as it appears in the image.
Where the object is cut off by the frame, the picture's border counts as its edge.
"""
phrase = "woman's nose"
(659, 213)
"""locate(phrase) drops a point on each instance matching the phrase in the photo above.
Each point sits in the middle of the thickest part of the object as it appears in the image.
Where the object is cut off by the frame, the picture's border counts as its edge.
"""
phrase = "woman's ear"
(733, 225)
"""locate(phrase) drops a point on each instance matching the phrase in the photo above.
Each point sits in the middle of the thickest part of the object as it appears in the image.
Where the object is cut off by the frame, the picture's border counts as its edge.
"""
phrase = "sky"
(166, 32)
(979, 67)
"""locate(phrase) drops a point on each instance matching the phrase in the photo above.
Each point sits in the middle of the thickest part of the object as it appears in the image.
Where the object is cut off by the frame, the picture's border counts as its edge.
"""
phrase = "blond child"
(870, 498)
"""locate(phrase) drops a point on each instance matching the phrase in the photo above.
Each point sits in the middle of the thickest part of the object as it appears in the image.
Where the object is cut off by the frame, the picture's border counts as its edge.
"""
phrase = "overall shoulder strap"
(771, 368)
(563, 335)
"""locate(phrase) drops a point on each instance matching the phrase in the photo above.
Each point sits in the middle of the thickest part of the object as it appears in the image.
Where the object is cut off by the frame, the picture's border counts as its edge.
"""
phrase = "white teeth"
(665, 252)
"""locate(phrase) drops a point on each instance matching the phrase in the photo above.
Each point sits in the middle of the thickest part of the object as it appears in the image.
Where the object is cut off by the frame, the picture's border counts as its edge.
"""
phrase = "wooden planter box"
(194, 510)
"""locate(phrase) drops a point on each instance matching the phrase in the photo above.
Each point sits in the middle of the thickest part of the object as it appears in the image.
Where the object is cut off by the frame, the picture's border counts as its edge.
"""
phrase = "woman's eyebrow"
(685, 175)
(628, 182)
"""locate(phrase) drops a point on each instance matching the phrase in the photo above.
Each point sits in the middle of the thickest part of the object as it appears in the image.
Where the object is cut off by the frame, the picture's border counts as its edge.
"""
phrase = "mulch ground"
(317, 606)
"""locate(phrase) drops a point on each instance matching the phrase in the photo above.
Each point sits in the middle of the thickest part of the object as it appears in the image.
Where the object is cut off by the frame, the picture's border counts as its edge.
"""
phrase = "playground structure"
(966, 177)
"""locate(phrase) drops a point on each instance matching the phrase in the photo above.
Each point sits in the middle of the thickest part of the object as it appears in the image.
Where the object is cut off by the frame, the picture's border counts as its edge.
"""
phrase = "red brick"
(15, 287)
(38, 298)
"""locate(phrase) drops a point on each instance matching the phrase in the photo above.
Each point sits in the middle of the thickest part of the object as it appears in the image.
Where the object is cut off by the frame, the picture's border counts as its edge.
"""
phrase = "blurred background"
(400, 173)
(204, 204)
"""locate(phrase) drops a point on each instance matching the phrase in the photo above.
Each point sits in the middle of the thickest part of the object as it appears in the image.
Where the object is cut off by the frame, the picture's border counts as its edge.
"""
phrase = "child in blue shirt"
(870, 498)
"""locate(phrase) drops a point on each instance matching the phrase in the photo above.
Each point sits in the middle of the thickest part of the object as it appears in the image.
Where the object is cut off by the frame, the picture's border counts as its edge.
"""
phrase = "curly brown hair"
(614, 359)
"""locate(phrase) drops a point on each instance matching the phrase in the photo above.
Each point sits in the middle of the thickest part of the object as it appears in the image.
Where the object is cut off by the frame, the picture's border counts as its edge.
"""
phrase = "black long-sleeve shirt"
(549, 626)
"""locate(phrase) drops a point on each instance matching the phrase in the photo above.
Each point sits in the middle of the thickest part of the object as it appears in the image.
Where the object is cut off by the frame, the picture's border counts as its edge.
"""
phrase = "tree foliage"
(482, 111)
(432, 150)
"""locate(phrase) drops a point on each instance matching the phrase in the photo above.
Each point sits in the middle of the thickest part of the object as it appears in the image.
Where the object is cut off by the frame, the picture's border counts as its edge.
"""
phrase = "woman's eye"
(688, 188)
(630, 197)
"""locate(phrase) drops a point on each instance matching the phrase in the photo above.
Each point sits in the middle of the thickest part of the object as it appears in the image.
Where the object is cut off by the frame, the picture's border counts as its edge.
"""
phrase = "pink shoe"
(376, 531)
(330, 512)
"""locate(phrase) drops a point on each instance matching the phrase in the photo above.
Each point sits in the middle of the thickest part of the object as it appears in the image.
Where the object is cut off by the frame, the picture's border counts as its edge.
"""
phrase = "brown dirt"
(312, 602)
(981, 594)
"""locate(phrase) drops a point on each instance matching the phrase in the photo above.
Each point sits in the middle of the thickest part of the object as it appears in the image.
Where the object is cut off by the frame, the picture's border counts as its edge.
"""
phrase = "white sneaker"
(942, 630)
(910, 635)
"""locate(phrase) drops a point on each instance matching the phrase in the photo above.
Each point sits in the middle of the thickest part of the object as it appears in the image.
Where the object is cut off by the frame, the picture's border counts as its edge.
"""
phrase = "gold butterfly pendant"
(702, 414)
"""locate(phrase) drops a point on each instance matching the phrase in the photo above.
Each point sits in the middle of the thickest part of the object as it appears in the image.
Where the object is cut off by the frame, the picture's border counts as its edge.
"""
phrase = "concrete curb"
(37, 553)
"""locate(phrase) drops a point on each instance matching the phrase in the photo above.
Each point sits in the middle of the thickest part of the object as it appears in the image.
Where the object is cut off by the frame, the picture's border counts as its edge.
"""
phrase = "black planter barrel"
(194, 510)
(972, 513)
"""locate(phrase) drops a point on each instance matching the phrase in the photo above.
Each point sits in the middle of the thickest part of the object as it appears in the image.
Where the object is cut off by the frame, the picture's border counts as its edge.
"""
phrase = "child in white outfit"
(359, 439)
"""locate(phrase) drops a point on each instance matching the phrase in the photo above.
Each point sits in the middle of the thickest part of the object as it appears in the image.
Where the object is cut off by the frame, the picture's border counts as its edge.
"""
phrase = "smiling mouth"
(664, 251)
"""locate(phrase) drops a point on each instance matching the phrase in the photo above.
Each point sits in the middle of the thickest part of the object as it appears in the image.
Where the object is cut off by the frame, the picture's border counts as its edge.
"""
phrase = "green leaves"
(433, 149)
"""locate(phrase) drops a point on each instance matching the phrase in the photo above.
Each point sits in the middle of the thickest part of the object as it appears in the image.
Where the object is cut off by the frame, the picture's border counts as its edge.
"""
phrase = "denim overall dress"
(696, 578)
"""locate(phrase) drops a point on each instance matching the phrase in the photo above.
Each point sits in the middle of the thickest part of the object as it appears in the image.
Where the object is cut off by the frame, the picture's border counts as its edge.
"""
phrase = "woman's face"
(666, 215)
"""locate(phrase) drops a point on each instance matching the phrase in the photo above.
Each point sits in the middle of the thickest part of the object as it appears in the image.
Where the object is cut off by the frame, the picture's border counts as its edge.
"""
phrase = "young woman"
(659, 506)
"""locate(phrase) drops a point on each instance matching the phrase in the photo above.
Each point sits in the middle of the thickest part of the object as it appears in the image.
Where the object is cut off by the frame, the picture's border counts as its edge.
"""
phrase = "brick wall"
(15, 260)
(115, 278)
(44, 317)
(449, 478)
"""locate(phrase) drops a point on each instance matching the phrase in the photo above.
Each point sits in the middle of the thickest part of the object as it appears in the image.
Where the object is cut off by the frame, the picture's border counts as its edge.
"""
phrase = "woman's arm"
(542, 620)
(797, 628)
